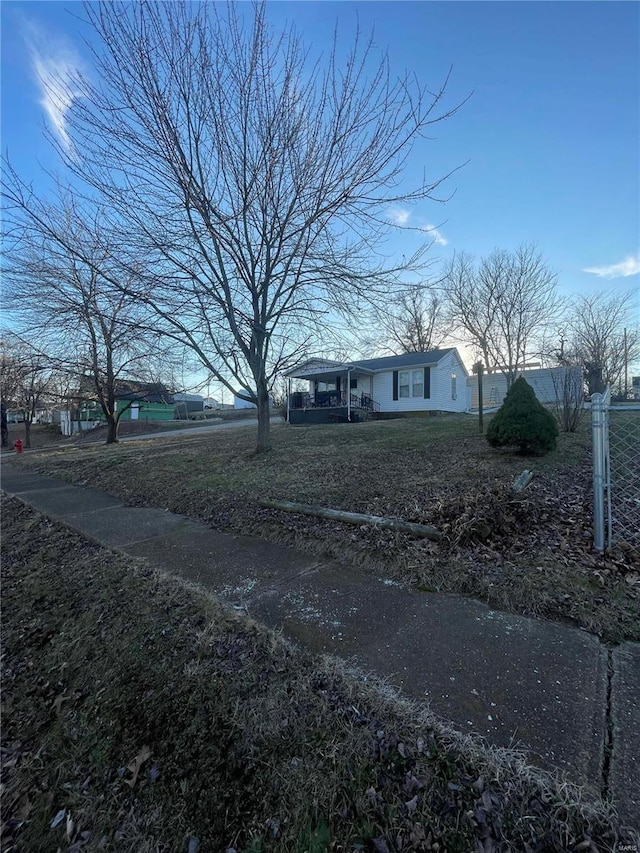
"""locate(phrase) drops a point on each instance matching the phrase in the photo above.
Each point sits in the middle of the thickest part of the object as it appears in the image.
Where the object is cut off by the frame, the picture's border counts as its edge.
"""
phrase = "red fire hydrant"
(18, 445)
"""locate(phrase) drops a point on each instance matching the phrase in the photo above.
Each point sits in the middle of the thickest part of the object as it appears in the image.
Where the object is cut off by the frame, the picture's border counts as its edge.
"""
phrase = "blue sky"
(551, 132)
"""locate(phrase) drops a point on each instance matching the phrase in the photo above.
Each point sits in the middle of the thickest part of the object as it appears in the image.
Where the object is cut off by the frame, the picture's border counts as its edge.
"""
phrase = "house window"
(353, 384)
(417, 383)
(454, 389)
(411, 383)
(493, 395)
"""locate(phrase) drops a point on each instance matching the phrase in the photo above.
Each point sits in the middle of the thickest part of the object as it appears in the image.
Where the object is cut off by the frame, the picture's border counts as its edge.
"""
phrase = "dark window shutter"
(395, 384)
(427, 383)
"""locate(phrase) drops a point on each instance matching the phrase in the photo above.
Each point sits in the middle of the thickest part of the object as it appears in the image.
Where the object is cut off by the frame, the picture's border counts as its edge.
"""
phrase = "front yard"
(529, 553)
(139, 716)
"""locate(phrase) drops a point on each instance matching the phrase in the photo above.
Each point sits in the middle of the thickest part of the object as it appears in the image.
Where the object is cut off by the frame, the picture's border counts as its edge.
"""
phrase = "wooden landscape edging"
(422, 530)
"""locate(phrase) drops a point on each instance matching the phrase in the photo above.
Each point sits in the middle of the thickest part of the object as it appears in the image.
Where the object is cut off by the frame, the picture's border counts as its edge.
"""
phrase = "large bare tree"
(256, 180)
(502, 305)
(411, 321)
(64, 283)
(602, 334)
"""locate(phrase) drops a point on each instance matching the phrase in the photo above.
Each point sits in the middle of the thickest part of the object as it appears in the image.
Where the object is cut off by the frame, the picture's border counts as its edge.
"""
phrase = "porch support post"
(349, 394)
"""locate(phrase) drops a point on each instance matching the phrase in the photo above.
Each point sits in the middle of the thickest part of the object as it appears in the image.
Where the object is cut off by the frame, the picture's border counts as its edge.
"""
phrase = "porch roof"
(325, 368)
(337, 369)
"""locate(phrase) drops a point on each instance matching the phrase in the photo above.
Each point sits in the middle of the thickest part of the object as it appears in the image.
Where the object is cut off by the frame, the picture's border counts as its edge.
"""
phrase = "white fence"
(616, 472)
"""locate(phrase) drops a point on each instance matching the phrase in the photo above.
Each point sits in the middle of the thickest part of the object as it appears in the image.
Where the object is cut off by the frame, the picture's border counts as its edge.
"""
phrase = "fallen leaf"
(60, 816)
(135, 765)
(57, 703)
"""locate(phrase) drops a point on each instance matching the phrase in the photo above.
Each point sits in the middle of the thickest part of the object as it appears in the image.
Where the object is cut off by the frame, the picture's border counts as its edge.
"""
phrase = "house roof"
(145, 392)
(408, 359)
(370, 365)
(182, 397)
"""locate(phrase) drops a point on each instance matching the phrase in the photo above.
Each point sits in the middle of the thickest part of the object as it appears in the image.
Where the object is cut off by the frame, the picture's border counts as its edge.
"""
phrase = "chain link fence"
(616, 472)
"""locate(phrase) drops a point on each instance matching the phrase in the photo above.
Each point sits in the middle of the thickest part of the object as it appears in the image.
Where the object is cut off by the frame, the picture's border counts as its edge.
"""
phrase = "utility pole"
(626, 365)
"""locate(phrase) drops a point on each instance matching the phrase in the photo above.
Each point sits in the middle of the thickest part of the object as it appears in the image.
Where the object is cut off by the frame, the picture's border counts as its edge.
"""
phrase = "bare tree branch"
(25, 380)
(65, 284)
(602, 334)
(255, 182)
(412, 321)
(503, 305)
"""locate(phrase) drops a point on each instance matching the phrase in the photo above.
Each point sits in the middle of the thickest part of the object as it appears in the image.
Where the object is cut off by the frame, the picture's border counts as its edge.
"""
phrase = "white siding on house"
(365, 385)
(239, 403)
(452, 363)
(494, 385)
(440, 399)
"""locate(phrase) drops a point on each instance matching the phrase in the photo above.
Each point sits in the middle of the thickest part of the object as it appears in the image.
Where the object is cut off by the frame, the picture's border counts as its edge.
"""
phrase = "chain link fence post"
(599, 411)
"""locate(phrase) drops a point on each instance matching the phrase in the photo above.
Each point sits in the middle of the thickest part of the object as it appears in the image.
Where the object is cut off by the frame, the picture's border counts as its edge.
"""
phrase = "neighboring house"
(239, 403)
(401, 384)
(138, 401)
(547, 383)
(185, 404)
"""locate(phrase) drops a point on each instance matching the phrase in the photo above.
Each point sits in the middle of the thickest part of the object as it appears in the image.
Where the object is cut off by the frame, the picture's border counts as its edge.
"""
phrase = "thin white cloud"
(399, 215)
(630, 266)
(437, 236)
(57, 67)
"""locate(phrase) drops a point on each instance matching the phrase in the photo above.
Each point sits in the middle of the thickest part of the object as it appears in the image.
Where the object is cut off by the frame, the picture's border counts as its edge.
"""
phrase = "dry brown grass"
(151, 719)
(529, 554)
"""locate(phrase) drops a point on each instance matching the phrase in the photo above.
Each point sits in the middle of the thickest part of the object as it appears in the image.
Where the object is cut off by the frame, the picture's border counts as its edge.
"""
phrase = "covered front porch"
(332, 407)
(337, 393)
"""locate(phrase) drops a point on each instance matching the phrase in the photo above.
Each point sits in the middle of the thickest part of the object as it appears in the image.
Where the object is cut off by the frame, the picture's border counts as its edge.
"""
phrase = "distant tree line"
(506, 308)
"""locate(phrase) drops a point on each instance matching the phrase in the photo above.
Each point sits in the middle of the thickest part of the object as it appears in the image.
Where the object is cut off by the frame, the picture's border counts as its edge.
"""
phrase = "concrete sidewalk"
(551, 690)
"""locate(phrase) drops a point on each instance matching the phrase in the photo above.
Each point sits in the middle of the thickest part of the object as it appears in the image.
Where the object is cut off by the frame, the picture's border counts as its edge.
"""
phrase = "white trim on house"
(375, 379)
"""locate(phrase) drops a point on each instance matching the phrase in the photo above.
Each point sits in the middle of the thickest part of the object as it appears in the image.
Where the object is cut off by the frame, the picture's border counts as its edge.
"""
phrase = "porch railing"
(332, 400)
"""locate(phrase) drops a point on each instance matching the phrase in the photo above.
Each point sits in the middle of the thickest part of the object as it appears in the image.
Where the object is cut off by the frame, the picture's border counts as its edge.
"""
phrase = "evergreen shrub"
(523, 422)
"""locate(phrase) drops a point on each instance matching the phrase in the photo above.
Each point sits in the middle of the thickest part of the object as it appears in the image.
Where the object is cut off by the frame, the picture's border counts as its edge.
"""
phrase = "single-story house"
(138, 401)
(355, 390)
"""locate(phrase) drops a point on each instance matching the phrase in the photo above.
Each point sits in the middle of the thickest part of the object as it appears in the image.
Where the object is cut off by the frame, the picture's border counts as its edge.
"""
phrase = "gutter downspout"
(349, 394)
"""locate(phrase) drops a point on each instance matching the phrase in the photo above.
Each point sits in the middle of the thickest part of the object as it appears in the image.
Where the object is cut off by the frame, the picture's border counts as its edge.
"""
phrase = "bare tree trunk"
(112, 429)
(27, 434)
(257, 167)
(264, 424)
(5, 427)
